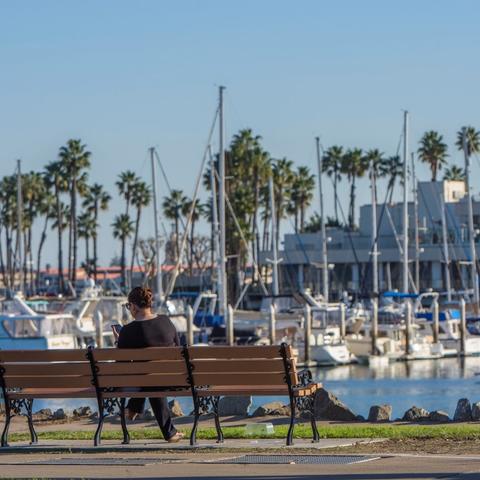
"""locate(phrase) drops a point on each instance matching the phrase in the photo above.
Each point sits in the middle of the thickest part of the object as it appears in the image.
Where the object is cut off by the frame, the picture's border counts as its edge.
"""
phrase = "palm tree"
(96, 199)
(282, 180)
(46, 208)
(87, 226)
(198, 211)
(353, 166)
(454, 173)
(473, 140)
(433, 151)
(332, 166)
(141, 198)
(126, 184)
(56, 179)
(393, 170)
(301, 195)
(75, 159)
(172, 209)
(122, 230)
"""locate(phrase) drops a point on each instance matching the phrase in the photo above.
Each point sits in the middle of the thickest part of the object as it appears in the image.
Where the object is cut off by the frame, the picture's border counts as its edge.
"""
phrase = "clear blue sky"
(125, 75)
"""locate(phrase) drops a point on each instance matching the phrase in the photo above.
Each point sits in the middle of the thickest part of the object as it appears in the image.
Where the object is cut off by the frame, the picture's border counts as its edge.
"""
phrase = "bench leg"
(218, 427)
(8, 418)
(292, 422)
(126, 436)
(313, 422)
(33, 433)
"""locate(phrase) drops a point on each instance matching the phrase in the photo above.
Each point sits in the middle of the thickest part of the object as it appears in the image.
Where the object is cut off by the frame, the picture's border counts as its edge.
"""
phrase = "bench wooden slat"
(130, 368)
(240, 366)
(138, 354)
(50, 369)
(33, 356)
(105, 381)
(47, 382)
(252, 352)
(54, 393)
(239, 379)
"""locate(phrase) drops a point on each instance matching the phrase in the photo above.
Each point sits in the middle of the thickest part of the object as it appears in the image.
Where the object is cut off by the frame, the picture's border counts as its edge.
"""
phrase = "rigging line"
(244, 240)
(192, 208)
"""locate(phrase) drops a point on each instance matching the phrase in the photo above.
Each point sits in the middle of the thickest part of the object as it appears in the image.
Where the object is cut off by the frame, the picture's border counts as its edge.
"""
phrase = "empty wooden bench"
(29, 374)
(251, 370)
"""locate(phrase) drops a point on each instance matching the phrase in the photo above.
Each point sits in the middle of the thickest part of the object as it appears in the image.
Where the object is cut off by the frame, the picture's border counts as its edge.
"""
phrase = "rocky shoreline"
(327, 407)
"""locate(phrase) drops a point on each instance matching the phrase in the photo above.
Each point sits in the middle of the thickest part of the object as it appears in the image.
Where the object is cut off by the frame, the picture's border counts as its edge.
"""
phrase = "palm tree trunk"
(2, 264)
(75, 233)
(87, 253)
(43, 237)
(177, 246)
(122, 263)
(351, 220)
(434, 171)
(335, 199)
(61, 285)
(95, 242)
(302, 217)
(135, 241)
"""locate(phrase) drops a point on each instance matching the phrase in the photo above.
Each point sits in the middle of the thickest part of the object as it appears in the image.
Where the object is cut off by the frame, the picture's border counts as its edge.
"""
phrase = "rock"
(148, 415)
(44, 412)
(82, 412)
(93, 416)
(272, 408)
(380, 413)
(439, 416)
(360, 418)
(175, 408)
(329, 407)
(416, 414)
(476, 411)
(234, 406)
(59, 414)
(463, 412)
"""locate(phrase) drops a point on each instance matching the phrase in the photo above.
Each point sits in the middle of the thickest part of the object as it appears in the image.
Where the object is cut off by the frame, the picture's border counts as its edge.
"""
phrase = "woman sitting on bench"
(149, 330)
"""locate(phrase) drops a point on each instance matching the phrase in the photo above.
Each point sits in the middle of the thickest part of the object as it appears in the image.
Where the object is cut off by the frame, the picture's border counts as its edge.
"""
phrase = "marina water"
(430, 384)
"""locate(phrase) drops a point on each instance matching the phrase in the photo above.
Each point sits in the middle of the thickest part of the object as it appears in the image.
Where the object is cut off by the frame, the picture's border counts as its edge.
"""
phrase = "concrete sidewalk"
(202, 464)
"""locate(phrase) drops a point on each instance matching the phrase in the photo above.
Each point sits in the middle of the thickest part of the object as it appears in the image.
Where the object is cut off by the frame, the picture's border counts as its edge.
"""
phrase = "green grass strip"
(452, 431)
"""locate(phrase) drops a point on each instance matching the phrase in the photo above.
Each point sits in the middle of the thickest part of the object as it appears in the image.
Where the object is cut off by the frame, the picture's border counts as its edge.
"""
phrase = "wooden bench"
(119, 374)
(112, 375)
(29, 374)
(251, 370)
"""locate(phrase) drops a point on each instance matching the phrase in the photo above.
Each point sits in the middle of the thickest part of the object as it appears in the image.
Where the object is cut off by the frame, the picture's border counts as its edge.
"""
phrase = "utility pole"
(471, 229)
(322, 225)
(222, 280)
(405, 202)
(158, 263)
(374, 252)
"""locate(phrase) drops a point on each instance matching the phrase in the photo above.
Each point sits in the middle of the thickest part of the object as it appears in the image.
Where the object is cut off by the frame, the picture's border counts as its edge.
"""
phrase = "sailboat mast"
(18, 246)
(222, 280)
(275, 287)
(374, 230)
(446, 255)
(471, 230)
(322, 225)
(158, 264)
(405, 201)
(415, 212)
(215, 246)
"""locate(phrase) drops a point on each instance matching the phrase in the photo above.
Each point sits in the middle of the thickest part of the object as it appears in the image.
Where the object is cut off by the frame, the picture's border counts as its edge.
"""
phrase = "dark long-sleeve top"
(156, 332)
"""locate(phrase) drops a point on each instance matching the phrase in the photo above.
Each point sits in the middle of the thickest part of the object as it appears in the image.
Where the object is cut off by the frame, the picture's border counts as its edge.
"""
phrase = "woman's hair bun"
(142, 297)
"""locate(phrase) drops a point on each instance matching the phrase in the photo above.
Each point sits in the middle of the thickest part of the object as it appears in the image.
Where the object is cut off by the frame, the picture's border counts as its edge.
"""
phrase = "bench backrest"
(140, 367)
(45, 369)
(242, 365)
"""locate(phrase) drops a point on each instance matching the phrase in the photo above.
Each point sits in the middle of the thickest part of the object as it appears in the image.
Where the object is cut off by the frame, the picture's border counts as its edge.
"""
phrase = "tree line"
(62, 199)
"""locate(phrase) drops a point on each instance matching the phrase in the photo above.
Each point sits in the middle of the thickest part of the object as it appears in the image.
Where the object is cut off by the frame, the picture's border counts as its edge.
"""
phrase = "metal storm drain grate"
(298, 459)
